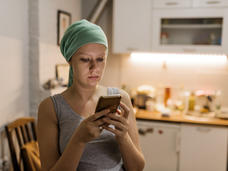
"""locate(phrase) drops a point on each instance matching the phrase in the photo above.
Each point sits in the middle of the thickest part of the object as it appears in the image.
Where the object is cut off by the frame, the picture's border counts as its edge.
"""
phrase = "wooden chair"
(21, 133)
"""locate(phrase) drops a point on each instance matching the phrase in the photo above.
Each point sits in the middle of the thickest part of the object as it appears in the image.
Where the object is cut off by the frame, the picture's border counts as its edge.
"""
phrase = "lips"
(93, 77)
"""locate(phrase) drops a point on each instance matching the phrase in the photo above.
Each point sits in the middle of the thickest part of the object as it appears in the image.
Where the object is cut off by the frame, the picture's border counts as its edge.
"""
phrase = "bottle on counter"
(217, 103)
(191, 102)
(167, 95)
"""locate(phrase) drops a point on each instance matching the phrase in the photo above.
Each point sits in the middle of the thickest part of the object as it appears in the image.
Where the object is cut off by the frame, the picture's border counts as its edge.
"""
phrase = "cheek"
(102, 65)
(80, 70)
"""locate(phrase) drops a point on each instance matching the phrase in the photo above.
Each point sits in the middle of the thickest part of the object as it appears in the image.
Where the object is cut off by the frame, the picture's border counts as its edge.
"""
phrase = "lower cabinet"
(160, 145)
(203, 148)
(183, 147)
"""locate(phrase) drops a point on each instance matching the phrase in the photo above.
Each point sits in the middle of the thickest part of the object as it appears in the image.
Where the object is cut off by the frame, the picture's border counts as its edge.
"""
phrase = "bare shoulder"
(46, 110)
(46, 103)
(125, 96)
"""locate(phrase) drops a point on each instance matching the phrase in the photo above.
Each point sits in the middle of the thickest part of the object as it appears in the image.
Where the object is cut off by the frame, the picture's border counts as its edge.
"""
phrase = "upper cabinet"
(131, 26)
(193, 26)
(190, 30)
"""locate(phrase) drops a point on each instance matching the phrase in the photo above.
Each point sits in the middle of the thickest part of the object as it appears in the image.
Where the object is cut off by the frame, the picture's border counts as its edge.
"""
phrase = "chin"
(92, 83)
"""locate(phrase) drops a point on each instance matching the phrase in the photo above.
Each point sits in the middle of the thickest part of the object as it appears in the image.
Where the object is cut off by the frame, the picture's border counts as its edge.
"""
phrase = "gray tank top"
(101, 154)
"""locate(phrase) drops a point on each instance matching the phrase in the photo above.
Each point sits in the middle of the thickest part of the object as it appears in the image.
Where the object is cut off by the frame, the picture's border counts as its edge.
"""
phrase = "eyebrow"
(82, 53)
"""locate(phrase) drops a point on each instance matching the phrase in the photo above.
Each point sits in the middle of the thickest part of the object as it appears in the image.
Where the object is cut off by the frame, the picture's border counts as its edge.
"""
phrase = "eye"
(100, 59)
(85, 60)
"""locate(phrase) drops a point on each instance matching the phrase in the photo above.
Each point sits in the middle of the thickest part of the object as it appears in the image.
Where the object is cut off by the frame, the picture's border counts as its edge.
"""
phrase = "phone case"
(111, 102)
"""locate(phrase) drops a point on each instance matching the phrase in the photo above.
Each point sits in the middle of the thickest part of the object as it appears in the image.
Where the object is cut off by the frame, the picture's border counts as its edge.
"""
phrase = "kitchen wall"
(14, 51)
(14, 59)
(18, 49)
(14, 92)
(187, 76)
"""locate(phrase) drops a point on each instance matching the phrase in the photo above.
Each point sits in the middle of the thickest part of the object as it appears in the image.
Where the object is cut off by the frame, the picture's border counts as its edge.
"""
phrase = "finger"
(119, 111)
(99, 122)
(118, 125)
(101, 128)
(117, 118)
(99, 114)
(114, 131)
(125, 108)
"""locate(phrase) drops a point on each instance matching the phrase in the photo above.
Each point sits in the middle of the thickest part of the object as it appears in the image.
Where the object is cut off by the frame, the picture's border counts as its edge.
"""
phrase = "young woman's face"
(88, 64)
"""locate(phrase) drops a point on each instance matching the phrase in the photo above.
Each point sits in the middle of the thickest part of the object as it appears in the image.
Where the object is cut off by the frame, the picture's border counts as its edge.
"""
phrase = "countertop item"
(180, 118)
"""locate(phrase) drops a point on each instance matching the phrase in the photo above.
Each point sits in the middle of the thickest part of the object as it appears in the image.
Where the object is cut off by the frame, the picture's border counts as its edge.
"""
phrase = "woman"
(69, 134)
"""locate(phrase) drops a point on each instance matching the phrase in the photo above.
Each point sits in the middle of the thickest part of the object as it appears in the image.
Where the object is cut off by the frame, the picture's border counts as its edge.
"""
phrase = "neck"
(82, 93)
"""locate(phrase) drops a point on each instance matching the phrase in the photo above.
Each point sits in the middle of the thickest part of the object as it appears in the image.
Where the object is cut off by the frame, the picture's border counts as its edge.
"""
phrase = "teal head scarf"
(78, 34)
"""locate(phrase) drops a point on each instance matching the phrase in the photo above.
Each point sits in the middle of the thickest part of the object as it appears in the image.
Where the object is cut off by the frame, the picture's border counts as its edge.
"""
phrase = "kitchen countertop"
(180, 118)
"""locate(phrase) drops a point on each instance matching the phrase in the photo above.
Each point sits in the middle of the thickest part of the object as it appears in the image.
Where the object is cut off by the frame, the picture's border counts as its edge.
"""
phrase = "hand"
(119, 120)
(90, 128)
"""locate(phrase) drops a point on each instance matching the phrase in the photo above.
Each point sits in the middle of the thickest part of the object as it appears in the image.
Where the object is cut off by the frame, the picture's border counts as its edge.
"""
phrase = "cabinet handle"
(171, 3)
(203, 129)
(160, 131)
(145, 131)
(213, 2)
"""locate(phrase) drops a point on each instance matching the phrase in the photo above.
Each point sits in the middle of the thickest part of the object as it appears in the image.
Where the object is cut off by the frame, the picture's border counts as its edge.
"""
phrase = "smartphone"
(111, 102)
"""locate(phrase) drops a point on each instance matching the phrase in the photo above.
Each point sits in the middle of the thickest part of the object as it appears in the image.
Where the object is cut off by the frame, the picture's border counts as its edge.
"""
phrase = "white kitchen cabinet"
(160, 145)
(210, 3)
(172, 3)
(132, 26)
(190, 30)
(203, 148)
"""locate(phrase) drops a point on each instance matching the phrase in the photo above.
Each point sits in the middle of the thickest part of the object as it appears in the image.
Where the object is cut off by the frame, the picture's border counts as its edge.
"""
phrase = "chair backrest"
(19, 133)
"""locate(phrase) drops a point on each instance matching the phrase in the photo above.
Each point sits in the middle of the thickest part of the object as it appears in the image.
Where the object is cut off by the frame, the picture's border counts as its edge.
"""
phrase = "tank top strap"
(56, 99)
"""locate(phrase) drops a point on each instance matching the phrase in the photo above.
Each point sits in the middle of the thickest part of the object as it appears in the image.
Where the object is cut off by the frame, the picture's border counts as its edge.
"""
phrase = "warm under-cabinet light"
(186, 59)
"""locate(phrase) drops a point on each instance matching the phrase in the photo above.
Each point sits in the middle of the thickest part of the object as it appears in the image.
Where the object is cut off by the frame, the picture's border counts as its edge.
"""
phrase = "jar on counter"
(150, 105)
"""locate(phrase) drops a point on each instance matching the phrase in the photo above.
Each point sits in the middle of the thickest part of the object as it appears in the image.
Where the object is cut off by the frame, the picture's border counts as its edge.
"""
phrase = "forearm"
(70, 158)
(132, 157)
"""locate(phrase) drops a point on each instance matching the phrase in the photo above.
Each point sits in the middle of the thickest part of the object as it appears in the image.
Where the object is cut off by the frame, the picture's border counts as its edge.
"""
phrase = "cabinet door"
(203, 148)
(159, 144)
(131, 26)
(206, 35)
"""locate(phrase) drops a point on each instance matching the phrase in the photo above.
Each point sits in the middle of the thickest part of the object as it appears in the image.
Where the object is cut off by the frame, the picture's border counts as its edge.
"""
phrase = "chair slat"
(24, 134)
(18, 135)
(28, 132)
(34, 130)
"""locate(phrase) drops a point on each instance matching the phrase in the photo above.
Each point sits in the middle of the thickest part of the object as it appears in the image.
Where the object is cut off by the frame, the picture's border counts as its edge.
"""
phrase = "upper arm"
(133, 130)
(47, 131)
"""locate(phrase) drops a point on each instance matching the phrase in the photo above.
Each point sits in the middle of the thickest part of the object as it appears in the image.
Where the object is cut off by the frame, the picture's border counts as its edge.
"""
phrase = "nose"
(93, 64)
